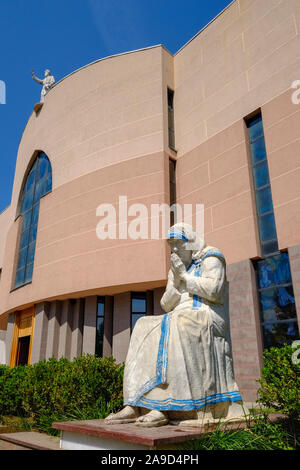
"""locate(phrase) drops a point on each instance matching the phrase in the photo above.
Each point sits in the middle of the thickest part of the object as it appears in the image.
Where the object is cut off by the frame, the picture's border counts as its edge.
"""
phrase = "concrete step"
(9, 446)
(30, 440)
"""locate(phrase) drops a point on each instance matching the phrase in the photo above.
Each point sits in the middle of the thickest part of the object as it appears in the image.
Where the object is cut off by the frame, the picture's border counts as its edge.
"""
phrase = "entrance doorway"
(23, 351)
(22, 338)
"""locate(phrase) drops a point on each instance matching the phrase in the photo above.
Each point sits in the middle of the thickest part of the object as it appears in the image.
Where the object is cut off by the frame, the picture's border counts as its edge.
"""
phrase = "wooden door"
(22, 337)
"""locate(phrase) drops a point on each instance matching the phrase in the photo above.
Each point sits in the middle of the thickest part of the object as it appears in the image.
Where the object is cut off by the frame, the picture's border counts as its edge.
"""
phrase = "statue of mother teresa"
(179, 367)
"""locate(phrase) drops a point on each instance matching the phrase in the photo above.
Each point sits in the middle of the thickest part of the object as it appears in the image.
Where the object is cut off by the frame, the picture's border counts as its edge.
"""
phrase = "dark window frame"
(100, 300)
(172, 188)
(140, 296)
(171, 119)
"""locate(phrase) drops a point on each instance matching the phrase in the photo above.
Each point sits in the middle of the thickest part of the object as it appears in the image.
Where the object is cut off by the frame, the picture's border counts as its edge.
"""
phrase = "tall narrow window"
(138, 306)
(100, 326)
(38, 183)
(171, 119)
(262, 187)
(172, 176)
(278, 316)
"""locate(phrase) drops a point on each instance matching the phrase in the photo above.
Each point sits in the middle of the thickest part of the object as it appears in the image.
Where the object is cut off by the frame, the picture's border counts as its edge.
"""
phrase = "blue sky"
(64, 35)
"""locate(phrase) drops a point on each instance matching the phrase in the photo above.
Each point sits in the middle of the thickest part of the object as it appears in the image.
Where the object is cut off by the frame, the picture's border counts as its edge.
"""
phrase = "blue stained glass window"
(39, 190)
(255, 128)
(274, 271)
(48, 184)
(261, 175)
(264, 201)
(20, 276)
(27, 201)
(35, 213)
(30, 252)
(269, 247)
(28, 273)
(32, 233)
(30, 181)
(267, 227)
(26, 220)
(22, 258)
(277, 301)
(38, 183)
(275, 289)
(280, 333)
(262, 187)
(43, 167)
(24, 239)
(258, 150)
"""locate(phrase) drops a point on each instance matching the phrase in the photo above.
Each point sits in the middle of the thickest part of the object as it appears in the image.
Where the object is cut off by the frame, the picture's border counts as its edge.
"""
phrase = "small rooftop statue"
(179, 367)
(47, 83)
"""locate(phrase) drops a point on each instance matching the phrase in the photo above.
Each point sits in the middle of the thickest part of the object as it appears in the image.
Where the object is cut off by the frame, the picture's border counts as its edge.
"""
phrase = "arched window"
(38, 183)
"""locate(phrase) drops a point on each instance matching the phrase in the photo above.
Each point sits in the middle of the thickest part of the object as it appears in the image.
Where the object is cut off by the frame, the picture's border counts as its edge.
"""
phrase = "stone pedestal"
(98, 435)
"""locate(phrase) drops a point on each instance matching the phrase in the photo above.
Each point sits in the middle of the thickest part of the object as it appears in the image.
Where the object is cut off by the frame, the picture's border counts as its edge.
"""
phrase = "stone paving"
(9, 446)
(28, 440)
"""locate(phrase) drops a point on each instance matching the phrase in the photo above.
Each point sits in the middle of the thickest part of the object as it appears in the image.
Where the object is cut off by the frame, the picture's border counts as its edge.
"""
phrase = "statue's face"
(179, 247)
(47, 72)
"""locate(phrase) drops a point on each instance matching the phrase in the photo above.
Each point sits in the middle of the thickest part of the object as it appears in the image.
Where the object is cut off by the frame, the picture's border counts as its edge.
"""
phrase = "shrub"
(283, 434)
(280, 382)
(54, 390)
(11, 394)
(261, 435)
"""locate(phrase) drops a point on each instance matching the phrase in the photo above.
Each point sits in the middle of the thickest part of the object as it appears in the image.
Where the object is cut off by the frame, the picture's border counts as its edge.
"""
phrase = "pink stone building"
(216, 122)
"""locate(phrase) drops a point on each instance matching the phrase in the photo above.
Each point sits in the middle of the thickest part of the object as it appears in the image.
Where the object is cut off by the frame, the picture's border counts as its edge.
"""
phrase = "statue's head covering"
(185, 232)
(47, 72)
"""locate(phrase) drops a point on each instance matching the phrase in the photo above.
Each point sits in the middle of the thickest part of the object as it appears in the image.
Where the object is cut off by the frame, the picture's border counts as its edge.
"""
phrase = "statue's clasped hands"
(177, 267)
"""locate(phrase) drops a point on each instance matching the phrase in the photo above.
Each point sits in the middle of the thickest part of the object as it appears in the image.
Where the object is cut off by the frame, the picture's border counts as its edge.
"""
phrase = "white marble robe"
(182, 360)
(48, 83)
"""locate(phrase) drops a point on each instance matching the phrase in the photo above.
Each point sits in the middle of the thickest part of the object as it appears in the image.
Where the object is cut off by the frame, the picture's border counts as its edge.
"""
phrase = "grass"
(262, 435)
(16, 424)
(262, 410)
(44, 422)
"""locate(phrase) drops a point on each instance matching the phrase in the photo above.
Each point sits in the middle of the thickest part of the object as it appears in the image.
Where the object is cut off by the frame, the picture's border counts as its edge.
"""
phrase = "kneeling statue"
(179, 367)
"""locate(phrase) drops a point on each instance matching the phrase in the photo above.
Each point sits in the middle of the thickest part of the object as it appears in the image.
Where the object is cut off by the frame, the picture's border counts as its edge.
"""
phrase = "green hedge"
(87, 387)
(11, 390)
(280, 382)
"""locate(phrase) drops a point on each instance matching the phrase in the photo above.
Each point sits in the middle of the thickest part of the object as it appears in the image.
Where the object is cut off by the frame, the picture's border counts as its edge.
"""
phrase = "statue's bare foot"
(129, 414)
(154, 418)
